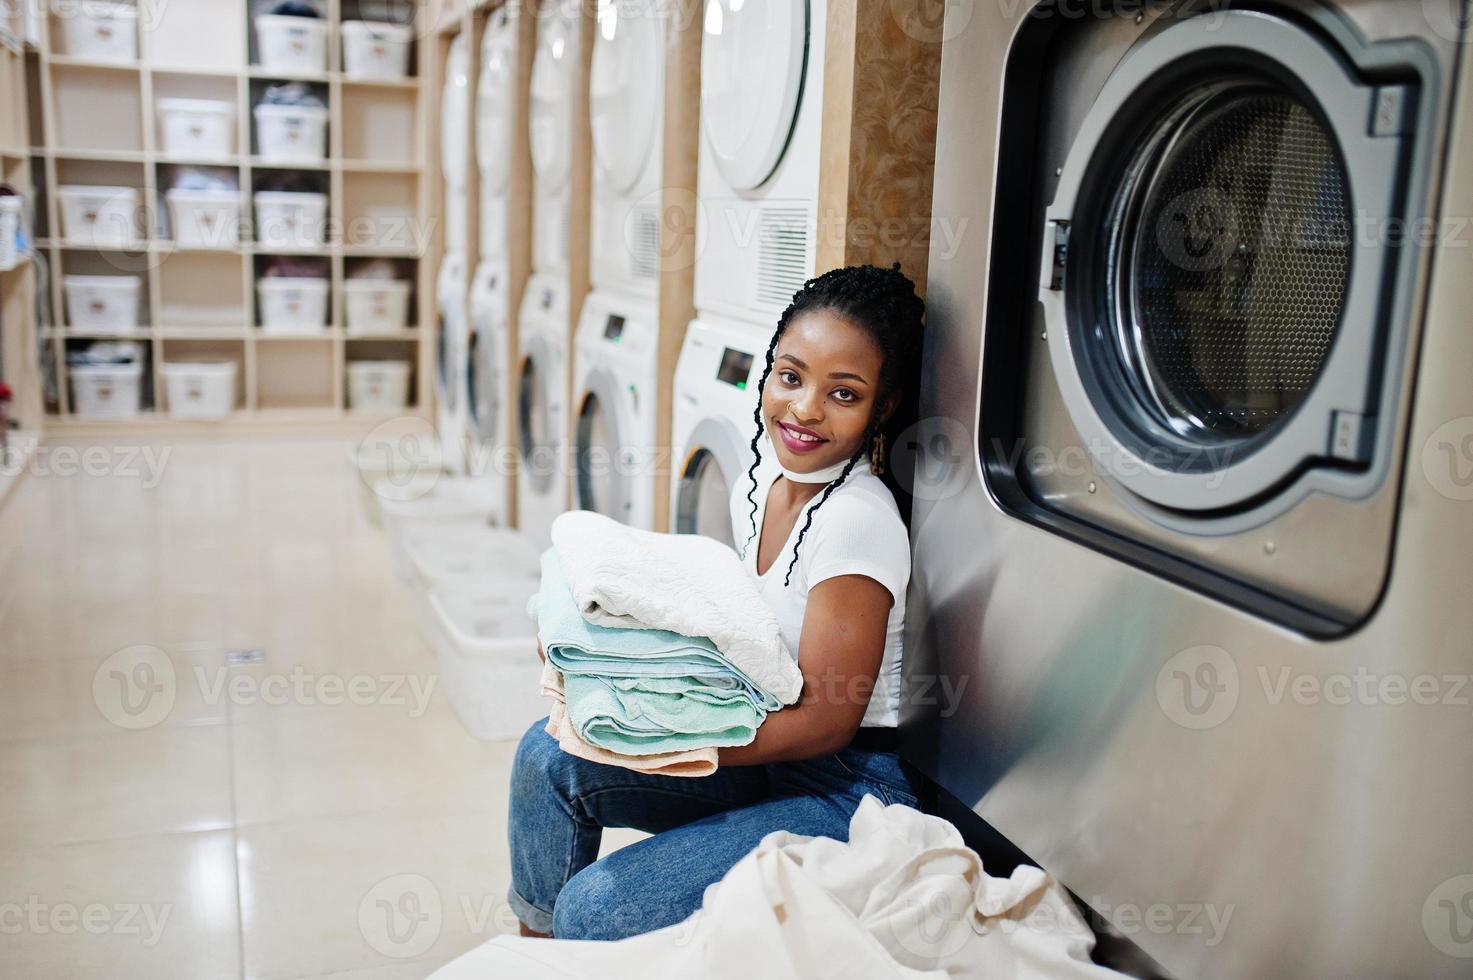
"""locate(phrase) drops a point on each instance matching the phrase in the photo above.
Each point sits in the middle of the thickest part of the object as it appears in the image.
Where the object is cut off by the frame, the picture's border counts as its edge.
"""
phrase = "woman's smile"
(797, 438)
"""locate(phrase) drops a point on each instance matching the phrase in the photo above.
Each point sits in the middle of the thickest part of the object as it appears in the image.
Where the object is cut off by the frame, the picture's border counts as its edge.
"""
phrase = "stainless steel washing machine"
(1181, 379)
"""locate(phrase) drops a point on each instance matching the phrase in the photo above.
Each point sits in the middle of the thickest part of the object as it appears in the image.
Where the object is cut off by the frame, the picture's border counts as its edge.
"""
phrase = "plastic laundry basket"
(376, 306)
(102, 302)
(99, 216)
(487, 648)
(197, 127)
(106, 391)
(447, 556)
(375, 49)
(291, 133)
(204, 218)
(100, 31)
(200, 389)
(291, 219)
(378, 386)
(291, 304)
(291, 44)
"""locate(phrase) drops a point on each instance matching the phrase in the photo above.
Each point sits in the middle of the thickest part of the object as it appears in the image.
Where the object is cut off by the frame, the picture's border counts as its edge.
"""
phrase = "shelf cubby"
(202, 291)
(97, 109)
(295, 373)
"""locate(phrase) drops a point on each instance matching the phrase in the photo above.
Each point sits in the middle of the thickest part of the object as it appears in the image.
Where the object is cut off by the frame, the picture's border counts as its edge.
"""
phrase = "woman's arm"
(842, 642)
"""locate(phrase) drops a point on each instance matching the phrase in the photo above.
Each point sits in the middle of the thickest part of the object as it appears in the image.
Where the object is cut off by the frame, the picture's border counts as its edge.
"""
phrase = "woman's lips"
(795, 444)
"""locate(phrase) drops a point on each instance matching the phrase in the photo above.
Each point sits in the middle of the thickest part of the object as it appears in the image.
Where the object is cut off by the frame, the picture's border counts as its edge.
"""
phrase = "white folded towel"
(690, 584)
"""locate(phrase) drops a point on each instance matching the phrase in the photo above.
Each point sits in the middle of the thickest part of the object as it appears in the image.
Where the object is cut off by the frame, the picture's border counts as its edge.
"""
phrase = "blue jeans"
(702, 826)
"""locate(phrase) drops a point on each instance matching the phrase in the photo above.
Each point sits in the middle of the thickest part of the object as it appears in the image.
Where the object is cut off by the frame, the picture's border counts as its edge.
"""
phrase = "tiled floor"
(164, 813)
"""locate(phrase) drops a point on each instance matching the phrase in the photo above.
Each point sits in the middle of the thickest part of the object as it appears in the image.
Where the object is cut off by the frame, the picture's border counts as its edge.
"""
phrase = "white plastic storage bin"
(204, 218)
(198, 128)
(292, 305)
(291, 219)
(378, 386)
(100, 31)
(10, 211)
(102, 302)
(99, 216)
(291, 133)
(200, 390)
(106, 391)
(487, 648)
(376, 49)
(456, 554)
(291, 44)
(376, 306)
(407, 465)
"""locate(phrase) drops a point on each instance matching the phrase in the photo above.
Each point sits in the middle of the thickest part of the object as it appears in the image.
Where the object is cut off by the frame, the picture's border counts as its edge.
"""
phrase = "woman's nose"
(807, 406)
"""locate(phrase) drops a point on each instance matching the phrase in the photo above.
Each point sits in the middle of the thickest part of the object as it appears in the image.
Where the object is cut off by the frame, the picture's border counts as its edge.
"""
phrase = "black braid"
(884, 303)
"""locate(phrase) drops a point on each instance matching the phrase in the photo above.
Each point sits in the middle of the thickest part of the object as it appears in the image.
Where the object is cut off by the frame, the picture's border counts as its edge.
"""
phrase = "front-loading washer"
(451, 342)
(1194, 429)
(489, 454)
(555, 68)
(542, 374)
(758, 168)
(626, 97)
(615, 371)
(454, 149)
(495, 114)
(715, 398)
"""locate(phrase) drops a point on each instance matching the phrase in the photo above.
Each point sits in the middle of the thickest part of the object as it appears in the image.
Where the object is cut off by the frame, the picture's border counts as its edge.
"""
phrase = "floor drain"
(247, 657)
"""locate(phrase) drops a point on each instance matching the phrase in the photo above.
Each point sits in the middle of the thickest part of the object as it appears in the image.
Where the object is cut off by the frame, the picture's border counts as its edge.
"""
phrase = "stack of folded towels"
(659, 648)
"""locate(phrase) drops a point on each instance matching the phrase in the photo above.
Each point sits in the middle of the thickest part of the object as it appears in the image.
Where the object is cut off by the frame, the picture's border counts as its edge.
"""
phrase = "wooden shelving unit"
(18, 336)
(97, 123)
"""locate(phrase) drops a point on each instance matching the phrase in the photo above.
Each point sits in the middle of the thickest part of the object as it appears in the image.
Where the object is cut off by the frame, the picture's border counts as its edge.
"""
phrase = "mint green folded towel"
(643, 691)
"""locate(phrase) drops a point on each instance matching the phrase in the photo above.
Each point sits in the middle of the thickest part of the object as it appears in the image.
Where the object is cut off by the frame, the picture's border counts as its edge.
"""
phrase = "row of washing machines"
(472, 564)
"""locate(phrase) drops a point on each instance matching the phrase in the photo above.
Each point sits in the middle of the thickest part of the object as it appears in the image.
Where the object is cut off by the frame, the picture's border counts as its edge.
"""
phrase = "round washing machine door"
(494, 101)
(605, 465)
(453, 108)
(1214, 322)
(550, 124)
(627, 79)
(714, 461)
(752, 65)
(536, 441)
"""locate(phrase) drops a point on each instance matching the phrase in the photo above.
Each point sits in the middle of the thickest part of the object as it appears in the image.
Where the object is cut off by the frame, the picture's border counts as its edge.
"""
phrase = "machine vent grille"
(783, 265)
(644, 244)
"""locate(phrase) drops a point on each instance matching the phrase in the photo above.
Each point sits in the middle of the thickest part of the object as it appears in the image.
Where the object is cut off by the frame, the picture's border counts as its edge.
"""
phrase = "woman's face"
(823, 390)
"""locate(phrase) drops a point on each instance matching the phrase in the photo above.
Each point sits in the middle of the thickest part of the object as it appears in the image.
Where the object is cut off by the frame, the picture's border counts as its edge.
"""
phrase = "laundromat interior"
(393, 392)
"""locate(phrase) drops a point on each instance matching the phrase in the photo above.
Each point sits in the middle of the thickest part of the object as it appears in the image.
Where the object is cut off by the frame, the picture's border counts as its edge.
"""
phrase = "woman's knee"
(593, 905)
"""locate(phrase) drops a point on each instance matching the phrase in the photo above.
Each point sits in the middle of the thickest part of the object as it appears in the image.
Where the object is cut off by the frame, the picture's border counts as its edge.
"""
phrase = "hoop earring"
(877, 455)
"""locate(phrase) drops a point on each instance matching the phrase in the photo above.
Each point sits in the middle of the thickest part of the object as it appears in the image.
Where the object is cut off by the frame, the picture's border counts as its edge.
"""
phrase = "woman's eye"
(845, 395)
(788, 377)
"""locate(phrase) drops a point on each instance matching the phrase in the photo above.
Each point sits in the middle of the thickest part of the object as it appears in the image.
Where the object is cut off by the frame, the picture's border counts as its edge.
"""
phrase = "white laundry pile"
(625, 577)
(659, 648)
(904, 897)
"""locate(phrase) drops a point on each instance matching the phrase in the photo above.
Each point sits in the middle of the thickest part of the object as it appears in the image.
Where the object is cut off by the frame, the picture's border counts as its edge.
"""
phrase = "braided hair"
(882, 302)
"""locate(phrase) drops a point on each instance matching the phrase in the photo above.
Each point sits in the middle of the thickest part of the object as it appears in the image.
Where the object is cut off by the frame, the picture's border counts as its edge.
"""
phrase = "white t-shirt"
(857, 531)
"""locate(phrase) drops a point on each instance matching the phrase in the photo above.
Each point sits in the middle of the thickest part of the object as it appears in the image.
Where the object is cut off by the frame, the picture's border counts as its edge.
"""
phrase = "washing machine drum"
(537, 442)
(605, 465)
(1213, 318)
(552, 92)
(752, 67)
(715, 460)
(494, 102)
(627, 79)
(453, 107)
